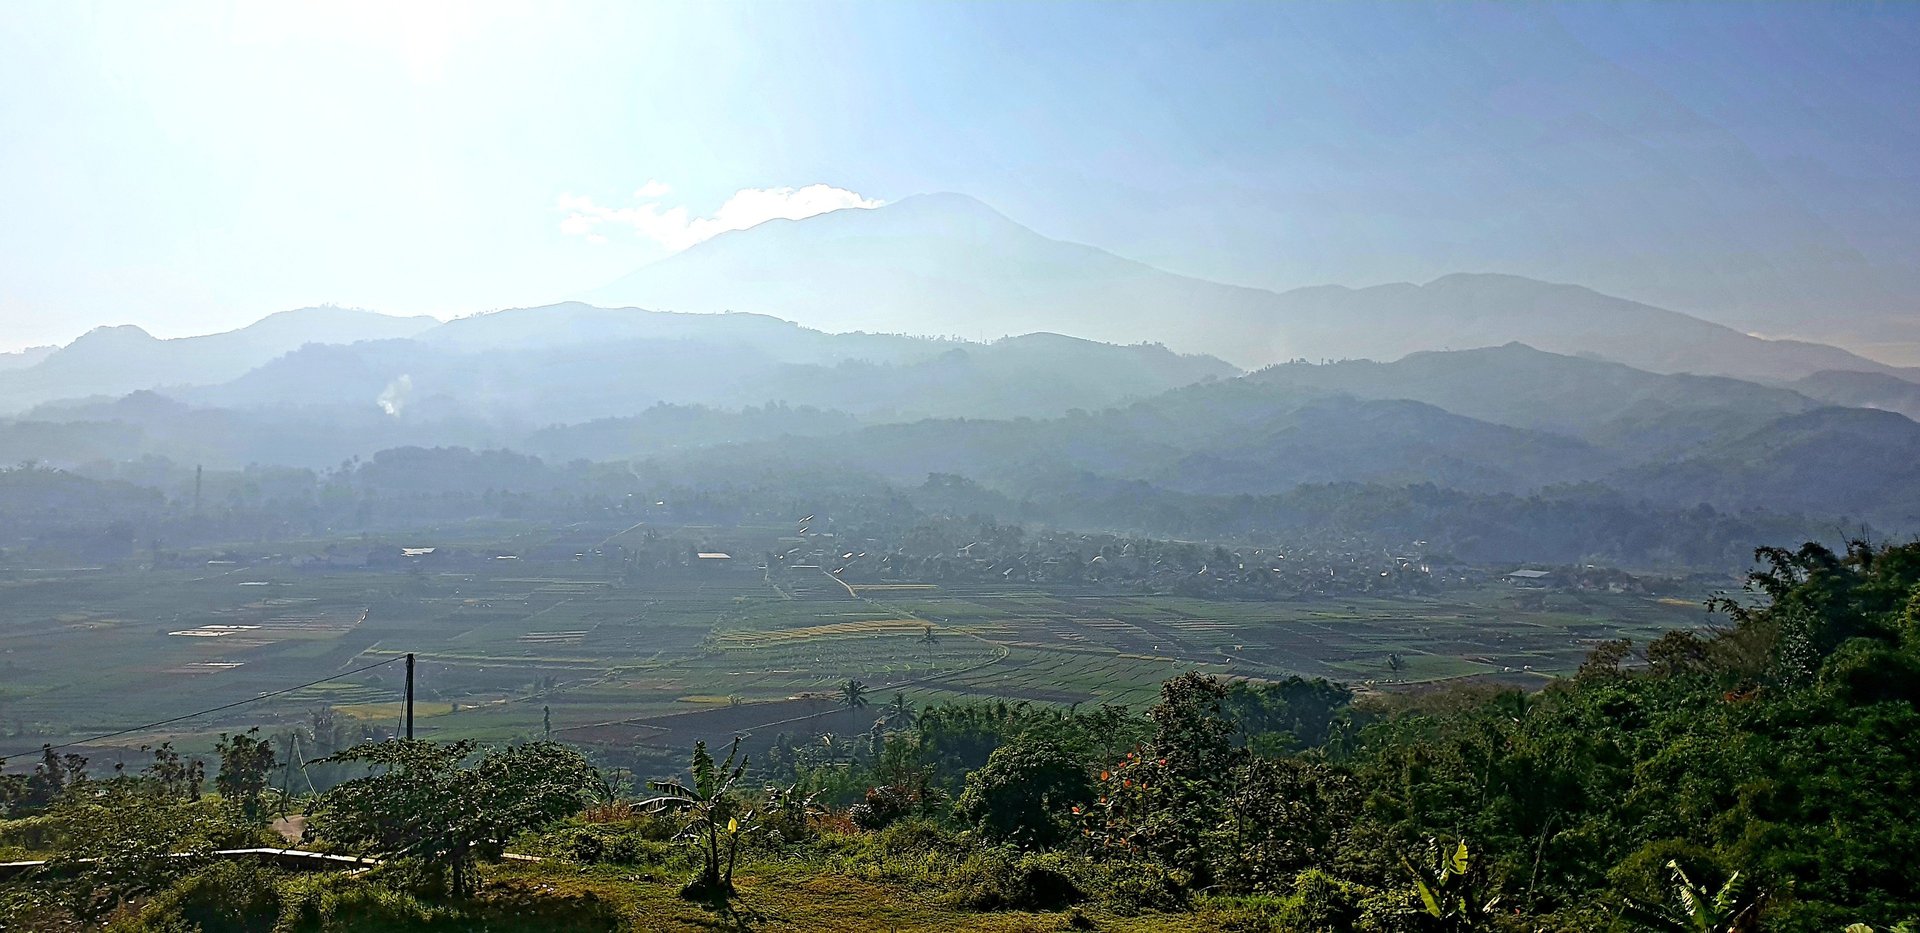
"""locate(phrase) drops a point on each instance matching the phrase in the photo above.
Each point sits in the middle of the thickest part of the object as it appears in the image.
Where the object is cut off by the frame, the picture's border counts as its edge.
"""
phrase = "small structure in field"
(1531, 578)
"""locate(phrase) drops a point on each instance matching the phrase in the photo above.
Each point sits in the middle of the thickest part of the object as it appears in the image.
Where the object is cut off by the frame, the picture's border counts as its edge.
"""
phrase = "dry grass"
(867, 628)
(795, 901)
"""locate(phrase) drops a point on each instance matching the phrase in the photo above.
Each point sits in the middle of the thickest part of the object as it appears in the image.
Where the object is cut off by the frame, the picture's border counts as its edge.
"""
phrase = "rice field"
(660, 659)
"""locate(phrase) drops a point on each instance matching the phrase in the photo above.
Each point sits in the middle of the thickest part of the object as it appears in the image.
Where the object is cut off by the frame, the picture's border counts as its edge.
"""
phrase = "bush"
(122, 839)
(226, 897)
(1002, 879)
(790, 815)
(1321, 903)
(1392, 910)
(1864, 671)
(1282, 817)
(29, 835)
(883, 806)
(330, 901)
(916, 851)
(1644, 876)
(596, 845)
(1023, 793)
(1134, 885)
(585, 845)
(233, 898)
(918, 835)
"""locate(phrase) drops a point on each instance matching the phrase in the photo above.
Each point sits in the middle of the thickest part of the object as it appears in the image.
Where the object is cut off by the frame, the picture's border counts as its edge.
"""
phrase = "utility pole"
(409, 696)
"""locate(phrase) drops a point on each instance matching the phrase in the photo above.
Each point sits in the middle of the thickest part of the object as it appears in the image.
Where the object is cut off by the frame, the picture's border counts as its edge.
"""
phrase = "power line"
(141, 728)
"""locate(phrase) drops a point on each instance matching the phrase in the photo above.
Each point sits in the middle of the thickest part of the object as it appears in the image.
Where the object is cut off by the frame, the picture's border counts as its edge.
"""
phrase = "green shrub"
(1321, 903)
(1865, 671)
(609, 844)
(1024, 792)
(1393, 910)
(1002, 879)
(28, 835)
(585, 845)
(449, 803)
(1134, 885)
(225, 897)
(328, 902)
(915, 851)
(1644, 875)
(1244, 913)
(883, 806)
(234, 898)
(919, 835)
(1282, 817)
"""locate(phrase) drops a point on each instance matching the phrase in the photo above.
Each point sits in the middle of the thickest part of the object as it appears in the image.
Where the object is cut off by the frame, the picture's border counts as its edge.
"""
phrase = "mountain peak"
(950, 202)
(942, 214)
(115, 334)
(1503, 283)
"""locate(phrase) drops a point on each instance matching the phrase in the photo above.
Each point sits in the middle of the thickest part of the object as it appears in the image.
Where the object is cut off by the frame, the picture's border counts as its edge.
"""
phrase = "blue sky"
(194, 167)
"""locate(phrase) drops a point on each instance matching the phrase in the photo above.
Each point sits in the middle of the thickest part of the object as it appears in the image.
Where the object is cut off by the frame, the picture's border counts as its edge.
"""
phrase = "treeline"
(410, 487)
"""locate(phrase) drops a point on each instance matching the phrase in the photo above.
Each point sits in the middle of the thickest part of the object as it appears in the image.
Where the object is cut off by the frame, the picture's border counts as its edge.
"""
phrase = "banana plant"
(1445, 883)
(716, 817)
(1701, 909)
(789, 812)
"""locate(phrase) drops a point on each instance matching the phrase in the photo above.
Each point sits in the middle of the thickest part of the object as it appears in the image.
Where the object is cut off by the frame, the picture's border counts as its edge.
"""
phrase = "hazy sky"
(193, 167)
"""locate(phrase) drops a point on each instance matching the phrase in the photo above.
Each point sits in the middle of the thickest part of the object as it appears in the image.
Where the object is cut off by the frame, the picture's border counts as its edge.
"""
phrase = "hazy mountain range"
(1509, 420)
(948, 264)
(1488, 385)
(120, 359)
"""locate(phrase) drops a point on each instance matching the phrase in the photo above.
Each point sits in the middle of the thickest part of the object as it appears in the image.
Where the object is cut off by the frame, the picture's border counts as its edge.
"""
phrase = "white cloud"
(676, 228)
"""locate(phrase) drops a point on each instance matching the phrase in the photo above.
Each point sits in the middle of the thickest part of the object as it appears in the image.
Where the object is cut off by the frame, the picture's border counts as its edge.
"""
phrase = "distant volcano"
(947, 264)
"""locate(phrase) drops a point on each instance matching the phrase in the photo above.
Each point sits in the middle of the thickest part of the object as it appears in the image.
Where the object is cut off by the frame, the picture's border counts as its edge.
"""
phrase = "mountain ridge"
(896, 267)
(117, 359)
(950, 264)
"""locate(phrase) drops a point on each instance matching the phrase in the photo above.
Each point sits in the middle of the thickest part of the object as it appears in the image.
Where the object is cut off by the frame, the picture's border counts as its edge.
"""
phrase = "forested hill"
(1669, 440)
(1605, 403)
(1493, 446)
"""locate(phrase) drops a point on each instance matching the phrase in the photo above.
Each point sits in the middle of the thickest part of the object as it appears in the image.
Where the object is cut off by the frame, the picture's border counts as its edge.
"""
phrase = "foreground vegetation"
(1762, 777)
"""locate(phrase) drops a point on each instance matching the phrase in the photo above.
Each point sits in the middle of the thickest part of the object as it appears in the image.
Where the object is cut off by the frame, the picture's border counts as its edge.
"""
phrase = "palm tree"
(928, 638)
(853, 695)
(899, 713)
